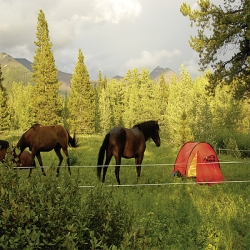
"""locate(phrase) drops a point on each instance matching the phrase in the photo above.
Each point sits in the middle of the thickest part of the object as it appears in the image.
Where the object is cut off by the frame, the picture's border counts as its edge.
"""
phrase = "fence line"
(143, 165)
(164, 184)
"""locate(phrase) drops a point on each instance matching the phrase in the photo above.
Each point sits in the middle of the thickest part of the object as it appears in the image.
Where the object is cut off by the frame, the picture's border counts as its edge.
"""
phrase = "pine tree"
(47, 104)
(65, 111)
(19, 101)
(101, 85)
(105, 112)
(220, 29)
(82, 99)
(4, 112)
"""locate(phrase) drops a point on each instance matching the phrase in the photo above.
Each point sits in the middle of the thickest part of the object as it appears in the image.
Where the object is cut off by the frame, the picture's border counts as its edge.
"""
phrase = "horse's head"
(155, 134)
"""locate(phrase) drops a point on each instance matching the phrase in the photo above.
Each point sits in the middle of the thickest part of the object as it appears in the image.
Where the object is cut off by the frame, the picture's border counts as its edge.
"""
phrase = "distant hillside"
(62, 76)
(156, 74)
(25, 63)
(20, 70)
(13, 71)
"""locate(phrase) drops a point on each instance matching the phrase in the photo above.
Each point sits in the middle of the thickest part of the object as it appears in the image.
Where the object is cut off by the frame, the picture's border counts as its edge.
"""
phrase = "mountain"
(156, 74)
(13, 71)
(62, 76)
(20, 70)
(167, 73)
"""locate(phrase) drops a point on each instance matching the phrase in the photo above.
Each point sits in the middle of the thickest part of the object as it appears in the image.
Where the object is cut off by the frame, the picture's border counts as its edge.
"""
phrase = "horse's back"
(45, 138)
(130, 141)
(117, 135)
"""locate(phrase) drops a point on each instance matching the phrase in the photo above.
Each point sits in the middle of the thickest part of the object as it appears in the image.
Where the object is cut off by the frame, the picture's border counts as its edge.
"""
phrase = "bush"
(236, 142)
(47, 212)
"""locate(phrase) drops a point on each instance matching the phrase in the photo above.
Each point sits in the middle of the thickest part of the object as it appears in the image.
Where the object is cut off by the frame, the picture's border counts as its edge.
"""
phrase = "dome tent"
(198, 159)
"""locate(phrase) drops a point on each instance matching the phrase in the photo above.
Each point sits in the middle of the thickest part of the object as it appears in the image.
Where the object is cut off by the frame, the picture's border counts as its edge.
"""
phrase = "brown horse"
(23, 160)
(41, 138)
(127, 143)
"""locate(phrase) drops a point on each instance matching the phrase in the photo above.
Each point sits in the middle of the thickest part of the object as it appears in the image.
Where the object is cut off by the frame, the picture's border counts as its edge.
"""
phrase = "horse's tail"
(72, 140)
(102, 150)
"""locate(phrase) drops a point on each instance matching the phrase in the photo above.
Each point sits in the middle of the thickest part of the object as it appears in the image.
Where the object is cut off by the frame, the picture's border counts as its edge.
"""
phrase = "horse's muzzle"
(158, 143)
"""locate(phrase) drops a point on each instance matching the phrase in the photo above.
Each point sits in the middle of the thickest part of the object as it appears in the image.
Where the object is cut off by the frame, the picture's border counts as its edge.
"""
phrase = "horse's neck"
(145, 133)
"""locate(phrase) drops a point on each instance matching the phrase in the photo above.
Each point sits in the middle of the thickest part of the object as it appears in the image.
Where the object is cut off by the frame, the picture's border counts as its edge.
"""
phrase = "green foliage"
(232, 142)
(20, 103)
(108, 218)
(48, 212)
(101, 85)
(4, 111)
(221, 28)
(37, 214)
(46, 102)
(82, 99)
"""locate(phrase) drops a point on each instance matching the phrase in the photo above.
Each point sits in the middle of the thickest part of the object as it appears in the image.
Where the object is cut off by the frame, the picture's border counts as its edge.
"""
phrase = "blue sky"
(114, 35)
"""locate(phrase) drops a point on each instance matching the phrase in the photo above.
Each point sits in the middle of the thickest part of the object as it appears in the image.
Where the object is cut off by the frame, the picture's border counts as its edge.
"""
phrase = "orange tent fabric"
(198, 159)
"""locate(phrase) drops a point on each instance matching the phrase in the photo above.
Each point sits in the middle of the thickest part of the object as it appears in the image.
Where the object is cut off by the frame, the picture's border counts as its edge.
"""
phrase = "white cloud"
(195, 6)
(110, 11)
(116, 10)
(192, 65)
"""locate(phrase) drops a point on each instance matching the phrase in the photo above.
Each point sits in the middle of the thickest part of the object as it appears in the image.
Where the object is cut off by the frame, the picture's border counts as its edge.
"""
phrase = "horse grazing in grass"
(127, 143)
(23, 160)
(41, 138)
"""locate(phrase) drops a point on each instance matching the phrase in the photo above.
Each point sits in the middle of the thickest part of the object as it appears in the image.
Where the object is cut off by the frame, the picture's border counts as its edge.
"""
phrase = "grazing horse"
(41, 138)
(127, 143)
(24, 159)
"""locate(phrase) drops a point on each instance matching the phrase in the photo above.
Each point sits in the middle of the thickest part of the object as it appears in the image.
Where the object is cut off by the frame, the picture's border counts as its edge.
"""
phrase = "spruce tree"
(223, 42)
(82, 99)
(4, 112)
(101, 84)
(19, 101)
(47, 104)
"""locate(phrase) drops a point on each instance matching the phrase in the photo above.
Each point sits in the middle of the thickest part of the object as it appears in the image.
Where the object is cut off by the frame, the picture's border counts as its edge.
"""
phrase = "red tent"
(198, 159)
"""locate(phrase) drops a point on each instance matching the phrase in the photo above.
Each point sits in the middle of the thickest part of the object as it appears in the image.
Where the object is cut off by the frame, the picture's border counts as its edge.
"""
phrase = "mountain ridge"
(22, 64)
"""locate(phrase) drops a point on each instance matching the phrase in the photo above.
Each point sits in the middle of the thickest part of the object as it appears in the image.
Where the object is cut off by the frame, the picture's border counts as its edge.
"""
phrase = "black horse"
(127, 143)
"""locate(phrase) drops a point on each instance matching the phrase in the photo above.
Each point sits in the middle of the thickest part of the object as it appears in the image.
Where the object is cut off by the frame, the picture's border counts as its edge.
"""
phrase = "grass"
(178, 215)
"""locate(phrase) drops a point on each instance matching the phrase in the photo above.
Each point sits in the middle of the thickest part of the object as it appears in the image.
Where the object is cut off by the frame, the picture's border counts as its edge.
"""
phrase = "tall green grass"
(178, 214)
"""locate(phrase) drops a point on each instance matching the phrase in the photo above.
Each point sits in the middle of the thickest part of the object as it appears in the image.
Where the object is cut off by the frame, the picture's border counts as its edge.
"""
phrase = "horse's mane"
(146, 127)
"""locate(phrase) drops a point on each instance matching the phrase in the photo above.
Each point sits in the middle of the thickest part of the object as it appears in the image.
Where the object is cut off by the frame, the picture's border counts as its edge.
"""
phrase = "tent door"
(192, 167)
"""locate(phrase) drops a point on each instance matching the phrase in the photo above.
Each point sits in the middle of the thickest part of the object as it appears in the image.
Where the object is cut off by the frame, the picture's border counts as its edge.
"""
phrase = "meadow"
(162, 211)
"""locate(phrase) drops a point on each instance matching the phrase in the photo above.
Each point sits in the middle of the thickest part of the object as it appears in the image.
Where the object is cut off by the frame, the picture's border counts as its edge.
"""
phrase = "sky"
(113, 35)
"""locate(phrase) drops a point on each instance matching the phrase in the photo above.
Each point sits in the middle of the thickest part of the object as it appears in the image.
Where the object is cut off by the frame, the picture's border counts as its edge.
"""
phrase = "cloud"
(109, 11)
(150, 60)
(195, 6)
(116, 10)
(192, 65)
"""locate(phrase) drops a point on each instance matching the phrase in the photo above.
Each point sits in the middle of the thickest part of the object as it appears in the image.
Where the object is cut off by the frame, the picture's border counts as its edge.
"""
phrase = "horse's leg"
(117, 169)
(67, 155)
(39, 158)
(59, 155)
(138, 162)
(33, 154)
(105, 167)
